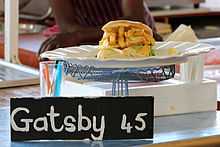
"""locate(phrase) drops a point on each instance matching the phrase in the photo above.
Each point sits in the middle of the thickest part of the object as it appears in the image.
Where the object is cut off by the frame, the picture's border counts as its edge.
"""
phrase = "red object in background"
(213, 57)
(51, 31)
(29, 45)
(26, 57)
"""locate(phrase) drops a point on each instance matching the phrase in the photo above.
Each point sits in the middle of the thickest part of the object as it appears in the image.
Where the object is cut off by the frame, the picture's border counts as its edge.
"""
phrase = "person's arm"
(71, 39)
(64, 15)
(65, 18)
(137, 10)
(133, 9)
(71, 33)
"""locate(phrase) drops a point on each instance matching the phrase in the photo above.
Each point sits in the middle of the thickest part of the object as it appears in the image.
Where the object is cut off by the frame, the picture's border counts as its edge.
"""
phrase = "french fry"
(138, 32)
(112, 40)
(121, 42)
(121, 37)
(130, 33)
(121, 31)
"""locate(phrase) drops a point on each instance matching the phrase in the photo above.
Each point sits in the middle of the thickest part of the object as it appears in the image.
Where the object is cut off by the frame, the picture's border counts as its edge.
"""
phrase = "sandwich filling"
(125, 39)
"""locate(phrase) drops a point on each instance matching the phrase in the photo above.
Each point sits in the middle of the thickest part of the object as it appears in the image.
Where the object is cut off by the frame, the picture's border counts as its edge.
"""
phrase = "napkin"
(192, 71)
(183, 33)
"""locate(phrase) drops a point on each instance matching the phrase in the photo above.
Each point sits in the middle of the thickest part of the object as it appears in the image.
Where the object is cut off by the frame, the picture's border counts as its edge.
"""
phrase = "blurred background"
(37, 22)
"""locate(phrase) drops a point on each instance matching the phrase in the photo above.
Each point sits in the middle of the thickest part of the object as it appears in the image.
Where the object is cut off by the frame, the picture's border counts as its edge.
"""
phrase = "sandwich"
(126, 39)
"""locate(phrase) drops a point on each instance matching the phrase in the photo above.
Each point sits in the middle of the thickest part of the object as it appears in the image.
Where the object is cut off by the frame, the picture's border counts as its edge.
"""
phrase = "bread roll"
(125, 23)
(125, 39)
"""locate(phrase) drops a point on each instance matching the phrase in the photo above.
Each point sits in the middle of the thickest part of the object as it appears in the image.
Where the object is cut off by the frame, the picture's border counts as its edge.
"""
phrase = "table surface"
(168, 128)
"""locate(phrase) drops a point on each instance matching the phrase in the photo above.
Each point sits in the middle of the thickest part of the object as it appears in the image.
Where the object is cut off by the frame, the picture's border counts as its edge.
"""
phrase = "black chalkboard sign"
(81, 118)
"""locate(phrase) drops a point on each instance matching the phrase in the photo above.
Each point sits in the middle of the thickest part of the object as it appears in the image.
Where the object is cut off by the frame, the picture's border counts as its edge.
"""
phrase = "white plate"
(86, 55)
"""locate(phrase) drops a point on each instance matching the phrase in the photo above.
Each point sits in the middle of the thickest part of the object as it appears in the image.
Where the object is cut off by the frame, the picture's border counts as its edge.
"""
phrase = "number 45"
(128, 127)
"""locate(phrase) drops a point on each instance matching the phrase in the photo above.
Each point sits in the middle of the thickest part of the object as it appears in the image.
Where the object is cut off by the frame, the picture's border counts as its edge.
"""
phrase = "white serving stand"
(188, 92)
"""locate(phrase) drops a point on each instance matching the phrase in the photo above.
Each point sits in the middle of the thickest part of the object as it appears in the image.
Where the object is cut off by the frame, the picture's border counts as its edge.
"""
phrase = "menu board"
(102, 118)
